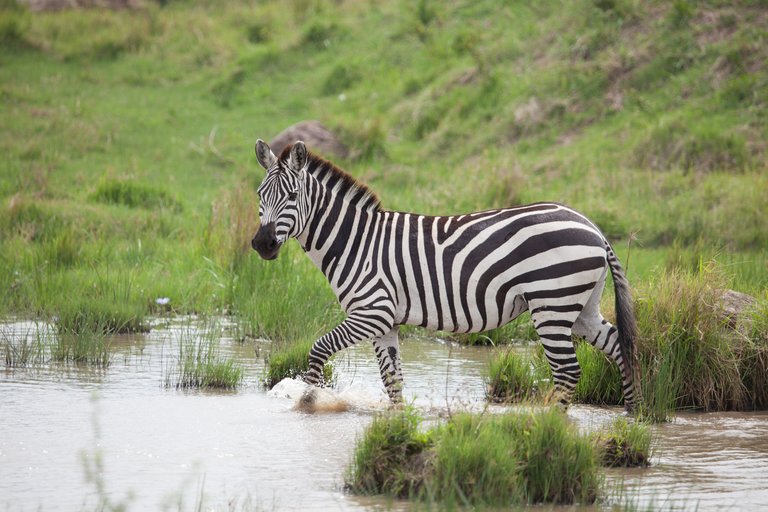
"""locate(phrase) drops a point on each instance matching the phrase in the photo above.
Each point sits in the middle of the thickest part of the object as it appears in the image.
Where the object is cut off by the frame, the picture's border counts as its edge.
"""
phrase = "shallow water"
(158, 448)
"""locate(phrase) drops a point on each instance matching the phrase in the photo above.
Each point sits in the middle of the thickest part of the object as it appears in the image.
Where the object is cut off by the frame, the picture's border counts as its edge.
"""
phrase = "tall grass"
(23, 349)
(689, 353)
(90, 348)
(600, 381)
(199, 362)
(110, 306)
(471, 460)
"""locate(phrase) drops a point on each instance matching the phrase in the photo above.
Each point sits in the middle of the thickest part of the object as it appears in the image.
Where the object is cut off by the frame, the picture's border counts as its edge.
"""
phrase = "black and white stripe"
(465, 273)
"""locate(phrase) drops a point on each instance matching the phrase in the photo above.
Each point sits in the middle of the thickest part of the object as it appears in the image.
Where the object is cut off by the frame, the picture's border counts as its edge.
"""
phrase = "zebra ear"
(298, 158)
(264, 155)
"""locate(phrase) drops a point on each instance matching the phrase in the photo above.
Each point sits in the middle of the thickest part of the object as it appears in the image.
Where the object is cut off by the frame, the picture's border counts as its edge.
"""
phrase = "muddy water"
(71, 438)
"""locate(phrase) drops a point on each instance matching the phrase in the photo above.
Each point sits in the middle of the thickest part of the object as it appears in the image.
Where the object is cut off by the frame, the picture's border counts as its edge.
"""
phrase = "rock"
(732, 307)
(317, 137)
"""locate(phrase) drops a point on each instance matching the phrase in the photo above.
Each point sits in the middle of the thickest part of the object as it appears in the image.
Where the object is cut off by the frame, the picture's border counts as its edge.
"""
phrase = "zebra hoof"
(308, 400)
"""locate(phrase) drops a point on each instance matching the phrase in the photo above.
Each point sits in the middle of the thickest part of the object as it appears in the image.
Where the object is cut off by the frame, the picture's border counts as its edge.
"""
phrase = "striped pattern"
(465, 273)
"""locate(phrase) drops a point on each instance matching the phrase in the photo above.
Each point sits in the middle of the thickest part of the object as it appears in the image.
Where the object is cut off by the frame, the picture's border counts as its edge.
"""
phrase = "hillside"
(128, 135)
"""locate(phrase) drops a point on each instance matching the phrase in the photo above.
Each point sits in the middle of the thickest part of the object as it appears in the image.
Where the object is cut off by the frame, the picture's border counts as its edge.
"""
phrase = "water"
(157, 448)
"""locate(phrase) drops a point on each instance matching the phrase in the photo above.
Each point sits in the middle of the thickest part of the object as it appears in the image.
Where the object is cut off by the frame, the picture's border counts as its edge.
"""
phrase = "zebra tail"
(625, 314)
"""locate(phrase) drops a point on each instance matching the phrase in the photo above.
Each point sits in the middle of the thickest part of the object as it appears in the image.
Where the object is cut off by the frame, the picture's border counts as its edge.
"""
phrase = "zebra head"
(283, 202)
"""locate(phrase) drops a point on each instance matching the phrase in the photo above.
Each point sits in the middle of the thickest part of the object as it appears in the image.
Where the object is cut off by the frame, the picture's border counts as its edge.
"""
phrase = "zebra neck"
(338, 229)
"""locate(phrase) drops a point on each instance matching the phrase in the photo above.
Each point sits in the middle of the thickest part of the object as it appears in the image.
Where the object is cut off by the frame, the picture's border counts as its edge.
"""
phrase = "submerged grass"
(22, 350)
(471, 460)
(199, 362)
(91, 348)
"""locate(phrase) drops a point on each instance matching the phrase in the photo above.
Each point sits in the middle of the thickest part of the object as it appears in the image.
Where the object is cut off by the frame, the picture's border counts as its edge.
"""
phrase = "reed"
(199, 362)
(90, 348)
(22, 350)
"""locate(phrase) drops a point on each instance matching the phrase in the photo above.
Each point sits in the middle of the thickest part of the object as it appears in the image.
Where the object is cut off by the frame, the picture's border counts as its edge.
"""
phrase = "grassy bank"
(127, 135)
(693, 354)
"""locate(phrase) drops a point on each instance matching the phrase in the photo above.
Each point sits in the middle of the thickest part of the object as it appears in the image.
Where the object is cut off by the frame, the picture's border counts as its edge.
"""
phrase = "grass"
(19, 351)
(624, 444)
(291, 360)
(471, 460)
(692, 355)
(91, 348)
(199, 362)
(513, 376)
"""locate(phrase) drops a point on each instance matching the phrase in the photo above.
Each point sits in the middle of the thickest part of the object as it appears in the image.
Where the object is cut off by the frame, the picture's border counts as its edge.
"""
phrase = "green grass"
(600, 381)
(89, 348)
(128, 140)
(26, 350)
(513, 376)
(624, 444)
(471, 460)
(291, 360)
(200, 363)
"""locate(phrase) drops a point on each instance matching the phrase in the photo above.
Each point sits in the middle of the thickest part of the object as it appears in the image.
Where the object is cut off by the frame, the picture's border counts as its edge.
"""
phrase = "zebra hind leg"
(387, 350)
(554, 329)
(604, 336)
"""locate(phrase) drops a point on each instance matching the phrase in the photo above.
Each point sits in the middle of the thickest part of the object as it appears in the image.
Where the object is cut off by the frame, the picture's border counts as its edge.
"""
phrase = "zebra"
(459, 273)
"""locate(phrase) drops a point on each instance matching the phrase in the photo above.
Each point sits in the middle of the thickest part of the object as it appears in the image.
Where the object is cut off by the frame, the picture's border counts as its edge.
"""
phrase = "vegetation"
(129, 174)
(624, 444)
(473, 460)
(513, 376)
(291, 360)
(200, 363)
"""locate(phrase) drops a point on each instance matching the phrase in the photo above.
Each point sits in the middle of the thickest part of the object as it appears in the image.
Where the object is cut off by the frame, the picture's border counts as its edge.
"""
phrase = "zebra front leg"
(357, 327)
(387, 350)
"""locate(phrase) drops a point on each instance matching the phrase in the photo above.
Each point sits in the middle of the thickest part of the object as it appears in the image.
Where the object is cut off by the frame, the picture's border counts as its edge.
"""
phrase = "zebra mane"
(338, 181)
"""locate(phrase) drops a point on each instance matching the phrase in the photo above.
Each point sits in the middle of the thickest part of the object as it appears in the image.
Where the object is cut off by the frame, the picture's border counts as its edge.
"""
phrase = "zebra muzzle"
(265, 242)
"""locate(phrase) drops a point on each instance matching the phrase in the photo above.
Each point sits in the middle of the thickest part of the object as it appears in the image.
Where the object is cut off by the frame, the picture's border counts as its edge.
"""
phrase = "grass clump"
(22, 350)
(134, 195)
(692, 355)
(389, 458)
(91, 348)
(291, 360)
(511, 377)
(200, 363)
(511, 459)
(624, 444)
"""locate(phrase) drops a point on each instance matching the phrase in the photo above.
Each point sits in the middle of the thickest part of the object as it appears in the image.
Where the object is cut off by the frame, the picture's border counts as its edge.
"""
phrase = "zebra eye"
(292, 196)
